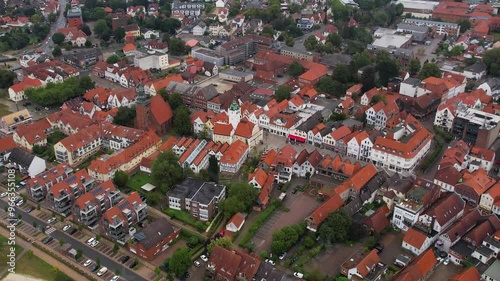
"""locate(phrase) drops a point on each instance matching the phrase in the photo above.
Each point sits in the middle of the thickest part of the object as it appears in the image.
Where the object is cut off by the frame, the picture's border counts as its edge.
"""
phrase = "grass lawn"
(139, 179)
(4, 110)
(31, 265)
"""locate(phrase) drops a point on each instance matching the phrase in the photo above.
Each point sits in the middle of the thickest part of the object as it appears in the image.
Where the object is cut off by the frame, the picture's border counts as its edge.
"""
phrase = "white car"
(115, 278)
(282, 256)
(197, 263)
(298, 274)
(90, 241)
(270, 262)
(102, 271)
(94, 243)
(67, 227)
(87, 263)
(204, 258)
(19, 203)
(51, 220)
(446, 261)
(3, 194)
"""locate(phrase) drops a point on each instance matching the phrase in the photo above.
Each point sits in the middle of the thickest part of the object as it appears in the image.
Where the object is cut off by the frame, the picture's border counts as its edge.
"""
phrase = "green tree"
(414, 66)
(174, 100)
(387, 69)
(286, 238)
(58, 38)
(101, 29)
(377, 98)
(125, 116)
(335, 229)
(98, 261)
(112, 59)
(7, 78)
(282, 93)
(116, 247)
(335, 39)
(177, 47)
(429, 69)
(61, 242)
(341, 73)
(166, 171)
(86, 29)
(120, 179)
(235, 9)
(213, 169)
(361, 59)
(180, 262)
(209, 8)
(330, 86)
(310, 43)
(222, 242)
(182, 121)
(295, 69)
(119, 34)
(241, 197)
(464, 25)
(368, 78)
(492, 60)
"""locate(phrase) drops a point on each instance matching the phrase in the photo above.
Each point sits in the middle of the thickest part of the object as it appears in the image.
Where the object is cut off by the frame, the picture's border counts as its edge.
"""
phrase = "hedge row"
(275, 204)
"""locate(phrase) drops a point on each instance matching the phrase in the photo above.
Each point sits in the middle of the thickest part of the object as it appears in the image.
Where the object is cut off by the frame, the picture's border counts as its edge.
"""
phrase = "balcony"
(62, 208)
(37, 193)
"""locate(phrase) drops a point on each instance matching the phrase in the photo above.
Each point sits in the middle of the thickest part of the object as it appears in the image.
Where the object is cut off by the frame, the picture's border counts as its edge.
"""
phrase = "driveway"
(330, 260)
(392, 247)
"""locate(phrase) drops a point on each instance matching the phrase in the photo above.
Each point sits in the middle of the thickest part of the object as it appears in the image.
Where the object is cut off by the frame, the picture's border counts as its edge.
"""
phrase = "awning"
(296, 138)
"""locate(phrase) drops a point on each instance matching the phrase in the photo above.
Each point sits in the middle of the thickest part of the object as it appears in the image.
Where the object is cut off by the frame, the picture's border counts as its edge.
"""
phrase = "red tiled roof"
(223, 129)
(470, 274)
(244, 129)
(414, 238)
(365, 265)
(330, 206)
(238, 219)
(234, 153)
(25, 84)
(419, 268)
(259, 175)
(378, 220)
(7, 143)
(161, 110)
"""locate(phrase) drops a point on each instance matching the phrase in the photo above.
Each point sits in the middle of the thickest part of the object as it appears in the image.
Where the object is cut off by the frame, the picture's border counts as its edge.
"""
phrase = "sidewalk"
(45, 257)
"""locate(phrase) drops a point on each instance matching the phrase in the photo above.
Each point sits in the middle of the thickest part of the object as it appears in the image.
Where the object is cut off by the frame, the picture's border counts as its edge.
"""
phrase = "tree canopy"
(125, 116)
(223, 242)
(414, 66)
(241, 197)
(286, 238)
(58, 38)
(182, 121)
(166, 171)
(7, 78)
(58, 93)
(428, 70)
(180, 262)
(492, 60)
(282, 93)
(335, 229)
(213, 169)
(295, 69)
(120, 179)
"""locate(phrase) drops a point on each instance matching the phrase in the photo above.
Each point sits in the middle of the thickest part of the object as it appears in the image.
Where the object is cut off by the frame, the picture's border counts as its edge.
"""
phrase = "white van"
(102, 271)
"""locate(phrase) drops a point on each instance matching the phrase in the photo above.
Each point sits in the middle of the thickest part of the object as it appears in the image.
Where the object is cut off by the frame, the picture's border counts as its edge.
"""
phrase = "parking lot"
(300, 206)
(220, 85)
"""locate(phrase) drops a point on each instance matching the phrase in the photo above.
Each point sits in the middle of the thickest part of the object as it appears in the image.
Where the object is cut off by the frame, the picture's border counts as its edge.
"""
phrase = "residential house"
(62, 195)
(26, 163)
(37, 187)
(473, 186)
(16, 91)
(199, 198)
(234, 157)
(224, 264)
(235, 223)
(364, 266)
(154, 239)
(418, 269)
(117, 221)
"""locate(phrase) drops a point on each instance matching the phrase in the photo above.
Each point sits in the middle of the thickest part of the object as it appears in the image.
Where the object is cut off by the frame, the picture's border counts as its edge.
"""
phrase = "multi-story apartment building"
(37, 187)
(197, 197)
(62, 195)
(117, 221)
(438, 27)
(78, 147)
(147, 59)
(235, 156)
(89, 207)
(400, 151)
(154, 239)
(476, 127)
(418, 199)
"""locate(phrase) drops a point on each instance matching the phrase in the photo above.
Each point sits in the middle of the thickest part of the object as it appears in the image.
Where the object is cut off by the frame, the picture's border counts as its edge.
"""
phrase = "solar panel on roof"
(140, 236)
(196, 151)
(124, 205)
(70, 179)
(97, 190)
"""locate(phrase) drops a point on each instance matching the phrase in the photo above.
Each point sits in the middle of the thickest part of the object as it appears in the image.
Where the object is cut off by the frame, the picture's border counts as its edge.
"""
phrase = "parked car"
(93, 268)
(51, 220)
(30, 209)
(197, 263)
(90, 241)
(294, 259)
(282, 256)
(269, 261)
(379, 247)
(102, 271)
(133, 264)
(446, 261)
(94, 243)
(294, 191)
(115, 278)
(4, 194)
(87, 262)
(20, 202)
(67, 227)
(47, 240)
(298, 274)
(73, 231)
(124, 259)
(204, 258)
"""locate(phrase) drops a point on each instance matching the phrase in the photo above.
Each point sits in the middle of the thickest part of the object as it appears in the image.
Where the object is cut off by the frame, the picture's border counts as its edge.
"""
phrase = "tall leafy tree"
(295, 69)
(58, 38)
(119, 34)
(180, 261)
(125, 116)
(335, 229)
(492, 60)
(414, 66)
(368, 78)
(282, 93)
(213, 169)
(101, 28)
(182, 121)
(120, 179)
(7, 78)
(241, 197)
(428, 70)
(166, 171)
(174, 100)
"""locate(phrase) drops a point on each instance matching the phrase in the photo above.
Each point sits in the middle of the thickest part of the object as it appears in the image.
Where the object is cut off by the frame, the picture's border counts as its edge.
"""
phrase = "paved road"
(91, 253)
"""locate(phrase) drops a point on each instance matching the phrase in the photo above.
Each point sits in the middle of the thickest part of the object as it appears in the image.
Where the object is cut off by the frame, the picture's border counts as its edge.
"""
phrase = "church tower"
(234, 113)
